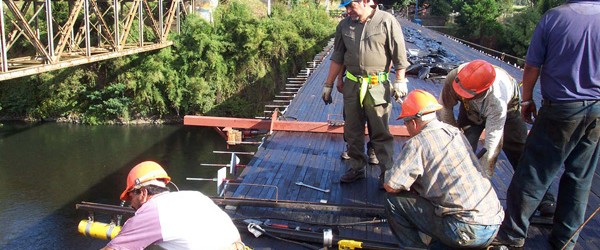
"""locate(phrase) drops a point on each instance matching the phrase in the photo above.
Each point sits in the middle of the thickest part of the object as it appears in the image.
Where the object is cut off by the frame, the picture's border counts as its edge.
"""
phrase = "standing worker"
(564, 49)
(436, 186)
(177, 220)
(489, 99)
(365, 43)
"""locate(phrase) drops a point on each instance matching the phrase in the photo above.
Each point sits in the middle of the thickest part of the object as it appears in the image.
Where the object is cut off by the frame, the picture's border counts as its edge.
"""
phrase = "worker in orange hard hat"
(489, 100)
(436, 186)
(171, 220)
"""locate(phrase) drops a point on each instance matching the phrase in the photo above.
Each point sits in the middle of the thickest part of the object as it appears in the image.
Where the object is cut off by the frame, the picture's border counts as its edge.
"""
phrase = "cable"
(286, 240)
(580, 228)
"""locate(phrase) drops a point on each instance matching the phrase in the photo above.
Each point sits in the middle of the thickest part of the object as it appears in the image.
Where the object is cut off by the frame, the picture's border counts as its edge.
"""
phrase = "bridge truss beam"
(93, 30)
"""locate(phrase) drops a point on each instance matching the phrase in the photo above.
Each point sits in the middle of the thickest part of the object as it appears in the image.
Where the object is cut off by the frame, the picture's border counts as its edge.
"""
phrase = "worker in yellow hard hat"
(489, 100)
(171, 220)
(436, 188)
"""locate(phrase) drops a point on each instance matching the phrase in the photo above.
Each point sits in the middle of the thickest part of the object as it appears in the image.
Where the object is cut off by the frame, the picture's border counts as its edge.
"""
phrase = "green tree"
(519, 30)
(477, 17)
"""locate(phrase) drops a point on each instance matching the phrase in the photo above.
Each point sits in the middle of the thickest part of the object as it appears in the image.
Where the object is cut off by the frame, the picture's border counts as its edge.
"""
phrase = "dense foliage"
(228, 68)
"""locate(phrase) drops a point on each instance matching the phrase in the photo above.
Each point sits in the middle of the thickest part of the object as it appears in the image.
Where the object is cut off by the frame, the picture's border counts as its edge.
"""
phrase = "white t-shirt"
(178, 220)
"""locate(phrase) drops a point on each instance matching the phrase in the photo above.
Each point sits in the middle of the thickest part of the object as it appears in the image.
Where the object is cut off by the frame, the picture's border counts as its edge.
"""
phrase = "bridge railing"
(40, 36)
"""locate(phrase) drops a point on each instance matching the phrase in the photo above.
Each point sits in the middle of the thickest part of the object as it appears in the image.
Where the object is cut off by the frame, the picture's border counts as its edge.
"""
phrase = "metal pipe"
(50, 30)
(141, 23)
(369, 210)
(86, 11)
(3, 39)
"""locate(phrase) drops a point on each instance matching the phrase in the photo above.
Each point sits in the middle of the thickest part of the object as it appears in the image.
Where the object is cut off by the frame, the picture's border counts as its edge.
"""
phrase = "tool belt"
(372, 79)
(365, 81)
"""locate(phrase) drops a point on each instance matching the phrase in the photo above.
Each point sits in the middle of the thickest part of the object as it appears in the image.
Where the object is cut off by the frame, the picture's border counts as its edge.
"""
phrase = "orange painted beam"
(275, 125)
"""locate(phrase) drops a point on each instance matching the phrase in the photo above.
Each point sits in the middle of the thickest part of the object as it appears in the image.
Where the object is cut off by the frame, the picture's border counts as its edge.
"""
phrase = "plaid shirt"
(440, 166)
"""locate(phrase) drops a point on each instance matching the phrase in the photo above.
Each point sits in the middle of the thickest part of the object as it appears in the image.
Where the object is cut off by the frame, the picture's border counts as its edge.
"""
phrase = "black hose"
(309, 246)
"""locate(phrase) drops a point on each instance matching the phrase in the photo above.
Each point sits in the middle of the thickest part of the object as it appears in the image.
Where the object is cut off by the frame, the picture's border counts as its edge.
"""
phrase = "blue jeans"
(563, 133)
(408, 213)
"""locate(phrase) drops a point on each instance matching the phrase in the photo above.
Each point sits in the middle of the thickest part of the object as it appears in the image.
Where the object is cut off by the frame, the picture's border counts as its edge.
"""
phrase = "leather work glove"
(400, 89)
(327, 94)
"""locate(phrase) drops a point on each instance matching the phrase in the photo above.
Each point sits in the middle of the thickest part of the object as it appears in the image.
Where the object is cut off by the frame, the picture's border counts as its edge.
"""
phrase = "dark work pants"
(565, 133)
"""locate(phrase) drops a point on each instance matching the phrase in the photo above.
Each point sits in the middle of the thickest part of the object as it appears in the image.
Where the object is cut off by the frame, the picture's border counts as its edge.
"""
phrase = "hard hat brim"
(460, 91)
(343, 5)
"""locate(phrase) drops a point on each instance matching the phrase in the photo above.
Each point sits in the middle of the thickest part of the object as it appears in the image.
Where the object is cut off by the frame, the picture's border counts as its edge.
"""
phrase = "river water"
(47, 168)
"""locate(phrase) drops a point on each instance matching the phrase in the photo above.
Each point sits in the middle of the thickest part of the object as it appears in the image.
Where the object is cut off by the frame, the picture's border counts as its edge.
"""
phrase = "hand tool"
(299, 183)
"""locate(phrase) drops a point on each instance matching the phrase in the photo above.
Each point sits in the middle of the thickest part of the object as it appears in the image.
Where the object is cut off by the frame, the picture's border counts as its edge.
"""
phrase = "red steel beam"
(275, 125)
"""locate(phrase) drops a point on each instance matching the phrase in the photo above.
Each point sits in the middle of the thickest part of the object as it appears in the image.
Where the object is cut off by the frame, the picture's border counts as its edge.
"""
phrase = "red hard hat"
(474, 78)
(141, 173)
(418, 103)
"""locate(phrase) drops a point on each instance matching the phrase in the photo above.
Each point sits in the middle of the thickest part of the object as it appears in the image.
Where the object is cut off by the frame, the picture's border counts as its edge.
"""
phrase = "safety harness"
(365, 80)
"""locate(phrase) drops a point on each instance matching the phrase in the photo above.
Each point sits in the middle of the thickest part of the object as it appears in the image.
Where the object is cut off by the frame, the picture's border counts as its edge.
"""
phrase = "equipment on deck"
(98, 230)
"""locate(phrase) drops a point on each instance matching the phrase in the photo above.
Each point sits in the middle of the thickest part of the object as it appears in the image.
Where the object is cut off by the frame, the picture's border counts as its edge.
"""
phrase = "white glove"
(400, 88)
(327, 95)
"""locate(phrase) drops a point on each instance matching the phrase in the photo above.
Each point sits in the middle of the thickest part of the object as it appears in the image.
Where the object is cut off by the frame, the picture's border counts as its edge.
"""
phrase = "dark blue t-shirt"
(566, 45)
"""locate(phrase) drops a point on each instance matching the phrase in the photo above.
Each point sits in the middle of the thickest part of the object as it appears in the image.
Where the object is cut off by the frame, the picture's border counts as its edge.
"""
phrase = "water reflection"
(45, 169)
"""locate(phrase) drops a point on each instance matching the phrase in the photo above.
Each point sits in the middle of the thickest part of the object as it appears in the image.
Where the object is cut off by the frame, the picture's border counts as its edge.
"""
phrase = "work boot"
(547, 208)
(373, 157)
(352, 175)
(345, 155)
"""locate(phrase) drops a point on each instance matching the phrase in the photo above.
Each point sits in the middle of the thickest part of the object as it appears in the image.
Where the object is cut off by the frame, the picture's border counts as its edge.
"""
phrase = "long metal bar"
(141, 23)
(276, 125)
(3, 48)
(313, 206)
(116, 17)
(50, 30)
(88, 43)
(160, 20)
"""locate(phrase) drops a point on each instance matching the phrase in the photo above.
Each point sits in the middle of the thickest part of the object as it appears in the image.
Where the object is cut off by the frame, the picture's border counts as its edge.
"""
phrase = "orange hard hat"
(143, 173)
(474, 78)
(418, 103)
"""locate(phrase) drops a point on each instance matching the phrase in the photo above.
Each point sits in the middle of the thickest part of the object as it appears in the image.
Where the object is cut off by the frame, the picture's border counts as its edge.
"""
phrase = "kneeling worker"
(436, 186)
(171, 220)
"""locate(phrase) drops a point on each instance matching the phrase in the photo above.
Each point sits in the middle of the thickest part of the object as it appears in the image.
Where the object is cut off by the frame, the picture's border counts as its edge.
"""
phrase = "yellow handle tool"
(349, 244)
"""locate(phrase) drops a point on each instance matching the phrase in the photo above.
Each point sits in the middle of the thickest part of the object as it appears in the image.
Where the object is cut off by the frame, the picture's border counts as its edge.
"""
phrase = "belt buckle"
(374, 79)
(359, 79)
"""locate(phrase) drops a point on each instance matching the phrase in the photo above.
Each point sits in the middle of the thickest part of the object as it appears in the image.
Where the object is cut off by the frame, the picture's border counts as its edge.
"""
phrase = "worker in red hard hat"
(436, 186)
(489, 99)
(171, 220)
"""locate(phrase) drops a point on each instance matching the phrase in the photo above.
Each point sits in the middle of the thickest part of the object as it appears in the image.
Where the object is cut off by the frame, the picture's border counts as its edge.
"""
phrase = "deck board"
(287, 157)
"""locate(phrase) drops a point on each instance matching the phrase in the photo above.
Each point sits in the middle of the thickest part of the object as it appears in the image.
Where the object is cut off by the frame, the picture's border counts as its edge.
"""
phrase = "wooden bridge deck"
(287, 157)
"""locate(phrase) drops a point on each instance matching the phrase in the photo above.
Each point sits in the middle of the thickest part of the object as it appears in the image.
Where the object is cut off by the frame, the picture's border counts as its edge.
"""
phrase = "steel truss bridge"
(42, 38)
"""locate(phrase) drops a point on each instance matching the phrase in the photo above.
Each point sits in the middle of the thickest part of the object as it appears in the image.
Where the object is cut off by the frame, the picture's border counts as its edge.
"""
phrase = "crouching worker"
(436, 187)
(171, 220)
